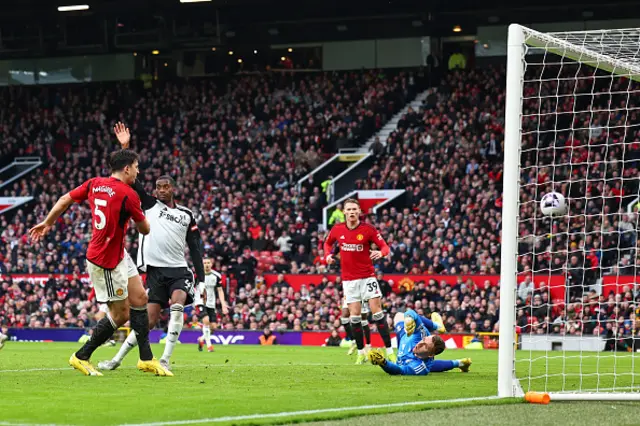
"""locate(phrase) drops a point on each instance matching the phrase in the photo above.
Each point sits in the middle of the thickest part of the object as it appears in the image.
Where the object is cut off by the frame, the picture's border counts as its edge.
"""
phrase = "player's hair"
(169, 178)
(438, 345)
(118, 160)
(352, 201)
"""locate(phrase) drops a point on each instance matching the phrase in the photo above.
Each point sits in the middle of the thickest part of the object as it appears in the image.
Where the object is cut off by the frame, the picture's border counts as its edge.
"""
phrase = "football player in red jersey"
(359, 283)
(113, 202)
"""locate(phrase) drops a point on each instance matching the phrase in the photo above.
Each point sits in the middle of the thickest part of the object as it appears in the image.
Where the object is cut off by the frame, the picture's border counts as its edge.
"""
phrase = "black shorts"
(162, 282)
(203, 311)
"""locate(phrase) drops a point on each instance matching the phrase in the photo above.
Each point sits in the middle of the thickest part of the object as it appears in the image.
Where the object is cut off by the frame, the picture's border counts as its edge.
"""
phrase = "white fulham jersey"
(212, 281)
(164, 246)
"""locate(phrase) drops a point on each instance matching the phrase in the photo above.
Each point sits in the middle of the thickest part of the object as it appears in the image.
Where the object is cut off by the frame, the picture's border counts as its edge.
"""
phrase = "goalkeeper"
(417, 347)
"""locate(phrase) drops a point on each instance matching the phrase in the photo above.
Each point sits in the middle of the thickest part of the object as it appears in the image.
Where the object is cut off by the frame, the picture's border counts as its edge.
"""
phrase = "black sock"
(139, 319)
(347, 328)
(101, 333)
(367, 332)
(358, 333)
(383, 329)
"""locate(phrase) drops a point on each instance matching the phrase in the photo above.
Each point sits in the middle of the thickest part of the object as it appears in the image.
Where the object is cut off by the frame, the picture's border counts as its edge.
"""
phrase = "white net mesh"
(576, 293)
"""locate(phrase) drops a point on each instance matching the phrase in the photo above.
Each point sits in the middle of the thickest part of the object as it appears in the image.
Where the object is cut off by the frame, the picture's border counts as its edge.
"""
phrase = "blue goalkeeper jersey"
(406, 345)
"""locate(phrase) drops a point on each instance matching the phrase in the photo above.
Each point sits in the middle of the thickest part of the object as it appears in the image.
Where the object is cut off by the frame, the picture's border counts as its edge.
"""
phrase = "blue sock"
(440, 366)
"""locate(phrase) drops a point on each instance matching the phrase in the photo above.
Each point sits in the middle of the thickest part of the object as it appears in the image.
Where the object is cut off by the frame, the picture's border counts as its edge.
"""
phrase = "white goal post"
(572, 117)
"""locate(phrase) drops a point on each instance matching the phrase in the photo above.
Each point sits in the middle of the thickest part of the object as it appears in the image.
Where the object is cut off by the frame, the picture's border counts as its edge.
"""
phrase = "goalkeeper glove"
(376, 357)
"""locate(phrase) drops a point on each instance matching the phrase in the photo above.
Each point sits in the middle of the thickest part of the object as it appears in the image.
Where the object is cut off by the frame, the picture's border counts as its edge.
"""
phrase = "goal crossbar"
(565, 45)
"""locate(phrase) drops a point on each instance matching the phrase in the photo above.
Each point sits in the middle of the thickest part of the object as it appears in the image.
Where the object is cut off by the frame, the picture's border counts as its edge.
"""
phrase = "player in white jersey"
(161, 254)
(206, 303)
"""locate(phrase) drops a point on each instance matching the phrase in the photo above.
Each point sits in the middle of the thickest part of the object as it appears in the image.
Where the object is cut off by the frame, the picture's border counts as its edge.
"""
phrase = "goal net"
(568, 282)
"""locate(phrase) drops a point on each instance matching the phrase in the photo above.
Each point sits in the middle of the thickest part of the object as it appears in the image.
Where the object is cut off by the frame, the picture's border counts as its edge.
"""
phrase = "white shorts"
(364, 309)
(132, 269)
(111, 285)
(361, 290)
(104, 308)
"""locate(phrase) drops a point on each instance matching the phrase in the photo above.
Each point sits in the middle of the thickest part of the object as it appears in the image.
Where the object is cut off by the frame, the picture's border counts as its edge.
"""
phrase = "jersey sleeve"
(146, 200)
(133, 207)
(81, 192)
(329, 242)
(379, 241)
(196, 248)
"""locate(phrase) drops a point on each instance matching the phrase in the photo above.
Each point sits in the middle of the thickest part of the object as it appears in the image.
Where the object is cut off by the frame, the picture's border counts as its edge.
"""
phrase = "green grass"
(567, 414)
(37, 386)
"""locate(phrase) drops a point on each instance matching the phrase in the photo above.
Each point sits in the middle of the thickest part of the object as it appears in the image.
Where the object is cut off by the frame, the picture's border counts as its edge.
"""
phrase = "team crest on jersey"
(360, 237)
(119, 292)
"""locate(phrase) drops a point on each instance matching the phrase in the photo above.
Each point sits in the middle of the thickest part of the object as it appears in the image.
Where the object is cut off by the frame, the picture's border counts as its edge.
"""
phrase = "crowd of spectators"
(238, 150)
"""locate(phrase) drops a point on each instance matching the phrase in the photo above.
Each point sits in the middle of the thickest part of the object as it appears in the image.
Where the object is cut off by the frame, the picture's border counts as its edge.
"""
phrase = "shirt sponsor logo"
(179, 219)
(105, 189)
(352, 247)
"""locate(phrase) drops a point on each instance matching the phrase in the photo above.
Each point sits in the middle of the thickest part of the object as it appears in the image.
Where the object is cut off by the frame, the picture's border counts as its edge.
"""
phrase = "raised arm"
(196, 248)
(40, 230)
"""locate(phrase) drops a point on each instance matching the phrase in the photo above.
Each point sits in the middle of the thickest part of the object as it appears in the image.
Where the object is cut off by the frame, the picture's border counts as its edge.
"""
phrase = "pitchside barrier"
(241, 337)
(401, 282)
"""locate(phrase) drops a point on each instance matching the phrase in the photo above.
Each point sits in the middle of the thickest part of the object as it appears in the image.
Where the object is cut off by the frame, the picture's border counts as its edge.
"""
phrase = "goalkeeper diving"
(417, 347)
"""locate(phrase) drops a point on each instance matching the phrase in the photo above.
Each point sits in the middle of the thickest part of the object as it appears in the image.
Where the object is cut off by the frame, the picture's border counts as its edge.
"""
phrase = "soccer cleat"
(464, 364)
(85, 367)
(108, 365)
(352, 349)
(200, 344)
(437, 320)
(153, 366)
(210, 348)
(165, 364)
(362, 359)
(409, 325)
(392, 357)
(376, 357)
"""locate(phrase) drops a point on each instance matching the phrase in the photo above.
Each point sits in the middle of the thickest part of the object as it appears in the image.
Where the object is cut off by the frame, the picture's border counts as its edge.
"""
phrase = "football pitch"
(269, 385)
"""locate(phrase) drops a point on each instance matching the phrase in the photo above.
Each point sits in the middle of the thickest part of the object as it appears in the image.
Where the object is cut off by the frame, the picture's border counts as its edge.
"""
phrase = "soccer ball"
(553, 204)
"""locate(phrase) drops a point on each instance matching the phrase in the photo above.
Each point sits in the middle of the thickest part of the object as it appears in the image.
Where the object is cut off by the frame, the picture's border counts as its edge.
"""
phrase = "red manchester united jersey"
(113, 203)
(355, 249)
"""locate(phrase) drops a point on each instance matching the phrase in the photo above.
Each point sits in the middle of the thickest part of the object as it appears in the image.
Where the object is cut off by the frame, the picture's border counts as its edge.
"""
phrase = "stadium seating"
(237, 152)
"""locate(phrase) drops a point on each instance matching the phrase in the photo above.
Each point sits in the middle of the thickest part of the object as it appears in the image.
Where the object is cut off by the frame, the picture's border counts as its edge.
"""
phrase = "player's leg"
(146, 311)
(346, 323)
(433, 324)
(352, 293)
(111, 288)
(181, 290)
(372, 293)
(211, 319)
(3, 338)
(365, 326)
(205, 339)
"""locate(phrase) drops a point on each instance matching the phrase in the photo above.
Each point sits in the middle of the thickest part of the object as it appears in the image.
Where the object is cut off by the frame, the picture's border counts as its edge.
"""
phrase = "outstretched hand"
(123, 135)
(39, 231)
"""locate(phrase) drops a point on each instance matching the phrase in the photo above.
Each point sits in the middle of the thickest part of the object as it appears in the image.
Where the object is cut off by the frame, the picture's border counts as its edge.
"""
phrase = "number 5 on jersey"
(100, 219)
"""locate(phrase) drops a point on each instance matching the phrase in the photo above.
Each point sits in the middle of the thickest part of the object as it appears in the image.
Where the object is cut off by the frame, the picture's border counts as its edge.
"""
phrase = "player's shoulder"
(369, 227)
(342, 226)
(184, 209)
(216, 274)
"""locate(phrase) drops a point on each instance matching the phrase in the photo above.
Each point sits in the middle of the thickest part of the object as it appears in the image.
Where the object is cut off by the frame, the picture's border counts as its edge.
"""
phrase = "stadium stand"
(447, 155)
